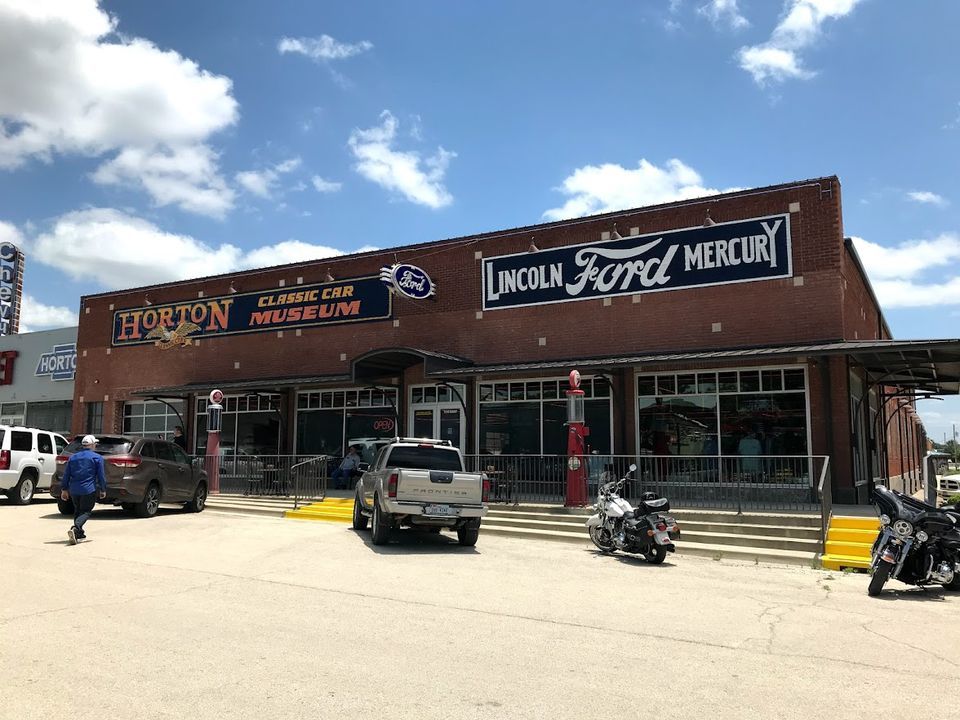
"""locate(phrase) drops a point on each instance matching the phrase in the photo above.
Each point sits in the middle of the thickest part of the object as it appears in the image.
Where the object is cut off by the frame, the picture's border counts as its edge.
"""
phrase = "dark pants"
(82, 510)
(341, 478)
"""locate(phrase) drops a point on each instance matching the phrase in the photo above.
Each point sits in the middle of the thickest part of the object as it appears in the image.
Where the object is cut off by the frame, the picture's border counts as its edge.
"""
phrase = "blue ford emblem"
(408, 280)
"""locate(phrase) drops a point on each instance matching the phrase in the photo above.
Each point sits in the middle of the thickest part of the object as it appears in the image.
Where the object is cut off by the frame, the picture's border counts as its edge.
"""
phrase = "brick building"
(736, 326)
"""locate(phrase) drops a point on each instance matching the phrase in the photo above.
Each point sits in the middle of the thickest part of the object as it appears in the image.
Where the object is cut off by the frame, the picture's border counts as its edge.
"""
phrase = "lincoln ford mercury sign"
(180, 324)
(742, 251)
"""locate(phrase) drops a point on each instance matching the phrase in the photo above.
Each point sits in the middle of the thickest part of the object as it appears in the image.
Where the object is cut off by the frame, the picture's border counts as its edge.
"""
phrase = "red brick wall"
(822, 302)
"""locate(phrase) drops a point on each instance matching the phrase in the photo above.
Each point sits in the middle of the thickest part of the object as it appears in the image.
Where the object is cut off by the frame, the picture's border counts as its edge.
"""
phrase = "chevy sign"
(58, 364)
(733, 252)
(10, 288)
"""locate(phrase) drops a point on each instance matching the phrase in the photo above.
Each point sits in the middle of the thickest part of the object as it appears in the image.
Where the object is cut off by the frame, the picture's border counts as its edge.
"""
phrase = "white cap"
(89, 440)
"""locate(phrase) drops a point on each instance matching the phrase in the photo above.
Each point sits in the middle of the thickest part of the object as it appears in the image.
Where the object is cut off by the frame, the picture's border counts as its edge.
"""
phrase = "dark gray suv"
(141, 473)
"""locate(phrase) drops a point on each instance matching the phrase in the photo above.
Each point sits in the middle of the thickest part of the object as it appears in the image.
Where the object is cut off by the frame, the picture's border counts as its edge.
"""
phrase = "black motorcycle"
(918, 544)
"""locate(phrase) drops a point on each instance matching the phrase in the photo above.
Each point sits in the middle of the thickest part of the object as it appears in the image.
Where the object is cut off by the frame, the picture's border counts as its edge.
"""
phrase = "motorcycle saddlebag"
(655, 506)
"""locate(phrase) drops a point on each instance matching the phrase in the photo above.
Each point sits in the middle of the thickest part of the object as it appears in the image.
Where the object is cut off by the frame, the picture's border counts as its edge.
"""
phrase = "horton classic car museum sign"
(178, 324)
(734, 252)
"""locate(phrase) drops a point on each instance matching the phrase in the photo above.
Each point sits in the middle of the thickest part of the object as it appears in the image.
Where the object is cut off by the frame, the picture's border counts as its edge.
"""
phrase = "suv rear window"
(106, 446)
(424, 458)
(20, 440)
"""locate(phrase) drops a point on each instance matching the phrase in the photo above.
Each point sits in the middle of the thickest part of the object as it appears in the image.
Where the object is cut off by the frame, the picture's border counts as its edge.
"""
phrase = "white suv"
(28, 460)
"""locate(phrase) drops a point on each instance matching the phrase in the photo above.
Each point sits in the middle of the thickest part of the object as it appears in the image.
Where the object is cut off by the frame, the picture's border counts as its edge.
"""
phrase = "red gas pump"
(214, 418)
(577, 433)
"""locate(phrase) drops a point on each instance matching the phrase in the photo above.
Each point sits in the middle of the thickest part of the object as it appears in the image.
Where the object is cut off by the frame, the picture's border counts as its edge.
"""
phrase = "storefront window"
(741, 414)
(531, 417)
(346, 416)
(253, 430)
(152, 418)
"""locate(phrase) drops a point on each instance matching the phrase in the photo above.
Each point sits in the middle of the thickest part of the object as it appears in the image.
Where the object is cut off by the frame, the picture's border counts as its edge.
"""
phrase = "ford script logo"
(60, 363)
(408, 280)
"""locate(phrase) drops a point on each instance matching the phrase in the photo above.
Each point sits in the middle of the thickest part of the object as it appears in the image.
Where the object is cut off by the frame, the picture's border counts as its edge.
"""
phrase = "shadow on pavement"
(415, 542)
(628, 559)
(112, 513)
(931, 594)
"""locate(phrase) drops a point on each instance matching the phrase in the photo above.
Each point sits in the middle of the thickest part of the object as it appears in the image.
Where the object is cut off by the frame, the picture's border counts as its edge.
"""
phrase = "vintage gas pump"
(577, 433)
(214, 420)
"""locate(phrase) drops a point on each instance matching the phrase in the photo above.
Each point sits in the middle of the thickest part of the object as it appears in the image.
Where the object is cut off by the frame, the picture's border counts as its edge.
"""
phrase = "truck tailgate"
(440, 486)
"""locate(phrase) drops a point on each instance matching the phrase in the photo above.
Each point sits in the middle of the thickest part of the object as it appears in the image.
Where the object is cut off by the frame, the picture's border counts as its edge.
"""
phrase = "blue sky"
(143, 142)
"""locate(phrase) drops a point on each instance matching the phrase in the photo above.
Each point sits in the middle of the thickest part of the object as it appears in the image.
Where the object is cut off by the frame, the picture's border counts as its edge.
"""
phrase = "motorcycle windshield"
(890, 503)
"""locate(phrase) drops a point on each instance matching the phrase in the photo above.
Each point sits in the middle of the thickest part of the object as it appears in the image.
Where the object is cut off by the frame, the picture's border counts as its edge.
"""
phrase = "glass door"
(436, 412)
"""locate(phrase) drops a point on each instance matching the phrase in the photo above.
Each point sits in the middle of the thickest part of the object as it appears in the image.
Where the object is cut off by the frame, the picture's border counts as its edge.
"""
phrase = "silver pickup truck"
(420, 483)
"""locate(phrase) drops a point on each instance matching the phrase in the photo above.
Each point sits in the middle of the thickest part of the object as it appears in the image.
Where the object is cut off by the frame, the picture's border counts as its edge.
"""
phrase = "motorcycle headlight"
(922, 536)
(903, 528)
(884, 519)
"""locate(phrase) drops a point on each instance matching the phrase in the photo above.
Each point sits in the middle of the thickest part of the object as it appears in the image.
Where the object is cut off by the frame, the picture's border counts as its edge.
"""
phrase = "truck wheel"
(468, 536)
(379, 529)
(65, 506)
(359, 519)
(151, 502)
(22, 492)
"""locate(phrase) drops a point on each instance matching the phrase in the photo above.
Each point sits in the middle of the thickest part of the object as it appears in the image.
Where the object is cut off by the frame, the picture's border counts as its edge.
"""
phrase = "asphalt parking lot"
(217, 615)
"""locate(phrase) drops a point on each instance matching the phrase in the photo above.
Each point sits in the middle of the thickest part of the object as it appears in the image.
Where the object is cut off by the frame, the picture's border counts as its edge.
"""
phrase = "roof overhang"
(390, 362)
(239, 386)
(925, 365)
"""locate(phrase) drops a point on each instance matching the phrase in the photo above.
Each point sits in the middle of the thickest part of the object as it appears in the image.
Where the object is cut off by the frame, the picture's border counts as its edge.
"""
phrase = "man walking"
(83, 480)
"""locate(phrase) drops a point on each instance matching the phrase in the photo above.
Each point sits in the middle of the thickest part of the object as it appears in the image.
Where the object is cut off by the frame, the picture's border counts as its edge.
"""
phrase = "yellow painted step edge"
(839, 562)
(297, 515)
(854, 523)
(844, 535)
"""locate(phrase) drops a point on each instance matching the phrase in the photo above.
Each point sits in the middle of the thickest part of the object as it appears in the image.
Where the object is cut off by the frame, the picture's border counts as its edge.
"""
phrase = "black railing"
(739, 483)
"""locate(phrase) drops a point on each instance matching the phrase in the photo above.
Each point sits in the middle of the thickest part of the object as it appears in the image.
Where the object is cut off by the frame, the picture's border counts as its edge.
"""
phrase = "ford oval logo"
(408, 280)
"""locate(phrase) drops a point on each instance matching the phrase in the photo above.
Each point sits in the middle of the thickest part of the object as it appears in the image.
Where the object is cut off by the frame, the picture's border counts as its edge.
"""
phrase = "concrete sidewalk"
(211, 616)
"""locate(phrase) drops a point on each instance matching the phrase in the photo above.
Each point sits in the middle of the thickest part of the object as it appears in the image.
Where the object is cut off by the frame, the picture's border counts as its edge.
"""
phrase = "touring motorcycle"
(643, 530)
(918, 544)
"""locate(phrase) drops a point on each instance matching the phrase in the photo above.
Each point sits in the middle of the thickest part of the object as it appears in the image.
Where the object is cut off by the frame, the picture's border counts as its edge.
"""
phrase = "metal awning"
(928, 365)
(260, 385)
(387, 362)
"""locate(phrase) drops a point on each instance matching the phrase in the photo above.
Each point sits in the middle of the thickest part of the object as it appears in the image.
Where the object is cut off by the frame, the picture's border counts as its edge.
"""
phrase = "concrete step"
(576, 524)
(806, 520)
(718, 552)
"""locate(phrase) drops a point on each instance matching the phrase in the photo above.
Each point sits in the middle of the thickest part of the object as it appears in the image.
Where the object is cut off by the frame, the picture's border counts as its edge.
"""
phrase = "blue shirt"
(84, 473)
(350, 462)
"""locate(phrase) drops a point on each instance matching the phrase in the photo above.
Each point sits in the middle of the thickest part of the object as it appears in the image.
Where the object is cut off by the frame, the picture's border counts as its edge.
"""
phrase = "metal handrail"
(295, 471)
(826, 499)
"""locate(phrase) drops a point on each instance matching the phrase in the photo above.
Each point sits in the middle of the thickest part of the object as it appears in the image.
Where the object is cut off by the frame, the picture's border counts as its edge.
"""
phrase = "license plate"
(439, 510)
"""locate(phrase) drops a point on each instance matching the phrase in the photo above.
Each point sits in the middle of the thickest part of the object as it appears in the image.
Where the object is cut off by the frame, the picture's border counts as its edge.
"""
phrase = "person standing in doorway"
(179, 438)
(83, 482)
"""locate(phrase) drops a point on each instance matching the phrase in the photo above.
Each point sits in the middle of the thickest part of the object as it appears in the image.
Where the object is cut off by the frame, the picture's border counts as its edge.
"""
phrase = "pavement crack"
(94, 606)
(902, 643)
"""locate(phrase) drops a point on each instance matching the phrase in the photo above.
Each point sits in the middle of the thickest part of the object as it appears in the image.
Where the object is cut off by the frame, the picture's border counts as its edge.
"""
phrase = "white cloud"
(419, 180)
(326, 186)
(724, 11)
(263, 183)
(927, 198)
(594, 189)
(35, 315)
(916, 273)
(322, 48)
(778, 59)
(118, 250)
(71, 85)
(187, 177)
(10, 233)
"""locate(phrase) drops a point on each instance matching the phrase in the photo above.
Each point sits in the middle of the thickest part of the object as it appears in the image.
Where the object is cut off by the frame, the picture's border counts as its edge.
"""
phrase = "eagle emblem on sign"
(167, 338)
